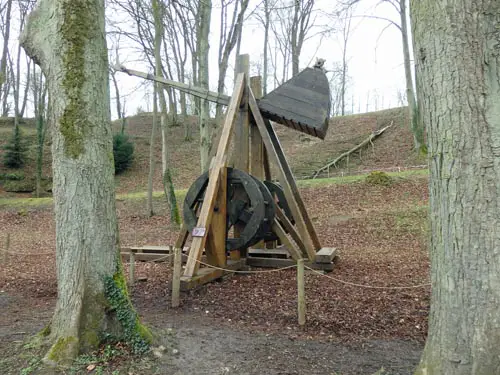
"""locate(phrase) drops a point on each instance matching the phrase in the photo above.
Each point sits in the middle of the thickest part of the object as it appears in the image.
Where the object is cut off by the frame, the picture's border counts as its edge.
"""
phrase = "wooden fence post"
(176, 277)
(301, 292)
(6, 249)
(131, 265)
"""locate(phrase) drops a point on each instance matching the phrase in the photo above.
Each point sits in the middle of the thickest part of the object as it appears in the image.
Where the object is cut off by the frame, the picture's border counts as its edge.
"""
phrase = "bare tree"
(346, 29)
(302, 11)
(67, 39)
(230, 32)
(204, 15)
(401, 8)
(168, 185)
(39, 88)
(5, 48)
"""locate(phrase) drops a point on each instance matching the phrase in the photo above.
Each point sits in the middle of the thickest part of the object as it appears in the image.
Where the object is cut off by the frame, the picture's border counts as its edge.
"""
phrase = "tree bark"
(456, 44)
(152, 162)
(67, 39)
(3, 61)
(168, 185)
(204, 16)
(413, 112)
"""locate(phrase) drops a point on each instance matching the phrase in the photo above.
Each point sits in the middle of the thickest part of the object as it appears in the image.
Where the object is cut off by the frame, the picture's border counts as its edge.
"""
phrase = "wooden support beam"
(241, 158)
(207, 274)
(290, 229)
(176, 277)
(207, 208)
(241, 129)
(216, 243)
(293, 185)
(131, 265)
(292, 248)
(266, 262)
(285, 176)
(188, 89)
(181, 240)
(256, 145)
(301, 294)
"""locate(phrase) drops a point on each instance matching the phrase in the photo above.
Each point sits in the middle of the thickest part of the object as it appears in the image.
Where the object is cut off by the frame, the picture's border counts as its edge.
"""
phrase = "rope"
(368, 286)
(245, 272)
(26, 254)
(398, 287)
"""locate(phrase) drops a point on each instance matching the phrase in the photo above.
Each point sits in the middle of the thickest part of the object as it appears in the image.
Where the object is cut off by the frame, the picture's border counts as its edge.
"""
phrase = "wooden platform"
(151, 253)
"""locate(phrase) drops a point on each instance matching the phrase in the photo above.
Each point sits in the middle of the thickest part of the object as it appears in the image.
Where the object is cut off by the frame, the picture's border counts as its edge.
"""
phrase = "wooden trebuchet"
(370, 138)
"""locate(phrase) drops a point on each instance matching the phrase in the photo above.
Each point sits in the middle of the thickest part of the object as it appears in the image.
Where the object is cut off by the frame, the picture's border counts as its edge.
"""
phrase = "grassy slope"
(304, 153)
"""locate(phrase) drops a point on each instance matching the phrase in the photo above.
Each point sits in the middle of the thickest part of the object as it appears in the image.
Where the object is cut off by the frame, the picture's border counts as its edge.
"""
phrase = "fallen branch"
(372, 136)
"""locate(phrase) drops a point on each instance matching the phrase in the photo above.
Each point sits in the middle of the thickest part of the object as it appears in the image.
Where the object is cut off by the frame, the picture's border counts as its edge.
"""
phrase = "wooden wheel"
(247, 208)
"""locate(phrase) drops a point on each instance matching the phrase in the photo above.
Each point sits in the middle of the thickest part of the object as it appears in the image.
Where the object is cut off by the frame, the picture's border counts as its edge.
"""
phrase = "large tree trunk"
(204, 16)
(457, 56)
(415, 123)
(67, 39)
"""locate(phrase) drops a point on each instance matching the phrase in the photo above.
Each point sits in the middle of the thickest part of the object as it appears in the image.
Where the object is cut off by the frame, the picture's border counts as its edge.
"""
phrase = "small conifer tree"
(123, 151)
(15, 150)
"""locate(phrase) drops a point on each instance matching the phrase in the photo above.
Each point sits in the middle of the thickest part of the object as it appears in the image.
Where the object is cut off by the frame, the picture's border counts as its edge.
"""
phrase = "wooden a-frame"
(210, 233)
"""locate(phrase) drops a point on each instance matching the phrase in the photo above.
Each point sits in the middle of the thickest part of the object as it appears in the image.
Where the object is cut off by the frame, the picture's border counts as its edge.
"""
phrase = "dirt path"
(207, 348)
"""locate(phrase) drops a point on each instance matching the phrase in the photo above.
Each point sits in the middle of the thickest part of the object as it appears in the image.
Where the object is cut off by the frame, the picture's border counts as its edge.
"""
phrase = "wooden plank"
(207, 208)
(293, 185)
(284, 176)
(207, 274)
(301, 294)
(326, 255)
(145, 257)
(131, 261)
(151, 249)
(180, 241)
(216, 244)
(176, 277)
(283, 252)
(150, 257)
(292, 247)
(257, 160)
(280, 263)
(188, 89)
(290, 229)
(256, 144)
(241, 158)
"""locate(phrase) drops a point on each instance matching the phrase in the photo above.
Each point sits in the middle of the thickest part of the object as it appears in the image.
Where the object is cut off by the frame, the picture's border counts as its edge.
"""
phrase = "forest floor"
(358, 321)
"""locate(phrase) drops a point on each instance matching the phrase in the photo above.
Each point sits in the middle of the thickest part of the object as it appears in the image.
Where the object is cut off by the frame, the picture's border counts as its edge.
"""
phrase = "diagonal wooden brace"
(285, 176)
(207, 208)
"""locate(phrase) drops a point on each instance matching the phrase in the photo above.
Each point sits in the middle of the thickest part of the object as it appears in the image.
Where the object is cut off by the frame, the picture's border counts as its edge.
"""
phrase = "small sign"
(198, 232)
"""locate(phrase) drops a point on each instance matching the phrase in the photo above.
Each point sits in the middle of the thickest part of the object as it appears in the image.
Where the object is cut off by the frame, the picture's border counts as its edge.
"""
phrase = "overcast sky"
(375, 58)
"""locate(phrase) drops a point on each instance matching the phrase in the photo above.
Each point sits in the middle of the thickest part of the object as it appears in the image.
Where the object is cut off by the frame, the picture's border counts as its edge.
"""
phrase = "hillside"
(305, 154)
